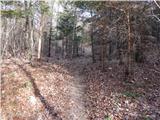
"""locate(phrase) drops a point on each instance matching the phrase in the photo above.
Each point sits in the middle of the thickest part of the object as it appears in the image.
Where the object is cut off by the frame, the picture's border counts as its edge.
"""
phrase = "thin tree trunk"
(50, 36)
(130, 47)
(40, 43)
(73, 38)
(158, 38)
(32, 41)
(49, 44)
(102, 54)
(31, 34)
(92, 43)
(158, 32)
(40, 39)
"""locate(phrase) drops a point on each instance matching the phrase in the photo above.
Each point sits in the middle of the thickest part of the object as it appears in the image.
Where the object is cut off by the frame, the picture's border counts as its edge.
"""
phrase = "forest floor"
(78, 90)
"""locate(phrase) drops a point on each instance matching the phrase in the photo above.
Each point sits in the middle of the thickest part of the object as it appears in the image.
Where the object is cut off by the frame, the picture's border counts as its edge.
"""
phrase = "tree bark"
(130, 46)
(40, 39)
(49, 44)
(92, 42)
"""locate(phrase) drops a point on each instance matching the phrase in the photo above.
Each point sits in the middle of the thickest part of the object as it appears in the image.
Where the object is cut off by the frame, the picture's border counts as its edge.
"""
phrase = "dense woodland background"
(114, 45)
(125, 32)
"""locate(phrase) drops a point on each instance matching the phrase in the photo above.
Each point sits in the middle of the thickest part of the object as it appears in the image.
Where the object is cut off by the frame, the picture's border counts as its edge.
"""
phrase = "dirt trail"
(48, 91)
(77, 97)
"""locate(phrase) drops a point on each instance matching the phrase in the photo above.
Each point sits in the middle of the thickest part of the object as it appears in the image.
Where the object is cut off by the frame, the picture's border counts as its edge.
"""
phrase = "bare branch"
(156, 4)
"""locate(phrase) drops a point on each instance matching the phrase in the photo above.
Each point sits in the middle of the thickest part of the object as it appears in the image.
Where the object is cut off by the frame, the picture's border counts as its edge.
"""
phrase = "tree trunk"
(158, 32)
(158, 38)
(49, 44)
(102, 54)
(40, 39)
(92, 43)
(130, 47)
(32, 41)
(31, 34)
(27, 26)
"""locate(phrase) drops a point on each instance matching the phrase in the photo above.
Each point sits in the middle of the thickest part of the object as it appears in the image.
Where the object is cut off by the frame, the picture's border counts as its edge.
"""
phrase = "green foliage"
(139, 58)
(6, 2)
(44, 8)
(87, 4)
(12, 13)
(19, 13)
(78, 38)
(11, 2)
(146, 118)
(108, 118)
(90, 5)
(66, 23)
(131, 94)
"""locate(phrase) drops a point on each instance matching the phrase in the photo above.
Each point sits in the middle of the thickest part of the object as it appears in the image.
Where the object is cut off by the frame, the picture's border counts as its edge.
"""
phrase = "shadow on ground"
(37, 93)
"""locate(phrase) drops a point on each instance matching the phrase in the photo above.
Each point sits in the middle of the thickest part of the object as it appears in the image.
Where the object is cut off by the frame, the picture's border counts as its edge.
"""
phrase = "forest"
(80, 60)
